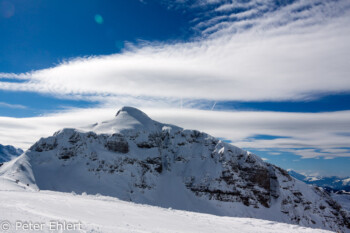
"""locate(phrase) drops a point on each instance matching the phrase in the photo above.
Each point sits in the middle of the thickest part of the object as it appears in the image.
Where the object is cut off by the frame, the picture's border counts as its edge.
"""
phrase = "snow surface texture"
(106, 214)
(343, 198)
(8, 152)
(137, 159)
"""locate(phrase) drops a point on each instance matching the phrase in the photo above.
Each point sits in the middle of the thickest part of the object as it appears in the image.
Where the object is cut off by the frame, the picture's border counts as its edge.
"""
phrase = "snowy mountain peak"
(135, 158)
(130, 120)
(135, 117)
(134, 113)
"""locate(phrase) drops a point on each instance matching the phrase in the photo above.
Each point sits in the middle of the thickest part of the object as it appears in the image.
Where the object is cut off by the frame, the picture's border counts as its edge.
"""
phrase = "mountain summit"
(135, 158)
(129, 120)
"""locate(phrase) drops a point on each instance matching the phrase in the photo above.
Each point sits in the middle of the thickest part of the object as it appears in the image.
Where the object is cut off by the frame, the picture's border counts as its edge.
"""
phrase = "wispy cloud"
(290, 54)
(7, 105)
(14, 76)
(300, 130)
(321, 153)
(218, 16)
(309, 135)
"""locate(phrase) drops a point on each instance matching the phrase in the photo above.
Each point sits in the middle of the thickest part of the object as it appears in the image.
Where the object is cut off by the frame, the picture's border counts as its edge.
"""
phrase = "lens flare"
(98, 19)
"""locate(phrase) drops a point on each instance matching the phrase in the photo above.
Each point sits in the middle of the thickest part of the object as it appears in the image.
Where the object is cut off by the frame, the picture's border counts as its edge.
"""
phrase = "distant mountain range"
(137, 159)
(8, 152)
(330, 183)
(337, 187)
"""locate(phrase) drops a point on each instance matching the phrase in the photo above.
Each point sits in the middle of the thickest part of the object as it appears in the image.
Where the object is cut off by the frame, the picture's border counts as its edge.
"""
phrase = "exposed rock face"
(117, 143)
(135, 158)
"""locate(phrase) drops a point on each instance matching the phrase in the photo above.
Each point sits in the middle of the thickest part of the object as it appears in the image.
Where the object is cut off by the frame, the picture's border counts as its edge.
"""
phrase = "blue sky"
(43, 33)
(269, 76)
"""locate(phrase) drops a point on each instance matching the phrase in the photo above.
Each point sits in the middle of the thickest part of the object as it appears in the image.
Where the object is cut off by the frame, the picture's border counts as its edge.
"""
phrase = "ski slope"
(98, 213)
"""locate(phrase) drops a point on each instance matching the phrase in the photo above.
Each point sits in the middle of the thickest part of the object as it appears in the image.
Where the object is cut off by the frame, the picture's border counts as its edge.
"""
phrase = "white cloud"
(23, 132)
(323, 131)
(274, 153)
(287, 55)
(13, 76)
(7, 105)
(320, 131)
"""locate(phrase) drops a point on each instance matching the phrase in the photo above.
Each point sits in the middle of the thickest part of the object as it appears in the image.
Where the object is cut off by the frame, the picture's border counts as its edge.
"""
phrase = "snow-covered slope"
(8, 152)
(343, 198)
(136, 159)
(98, 214)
